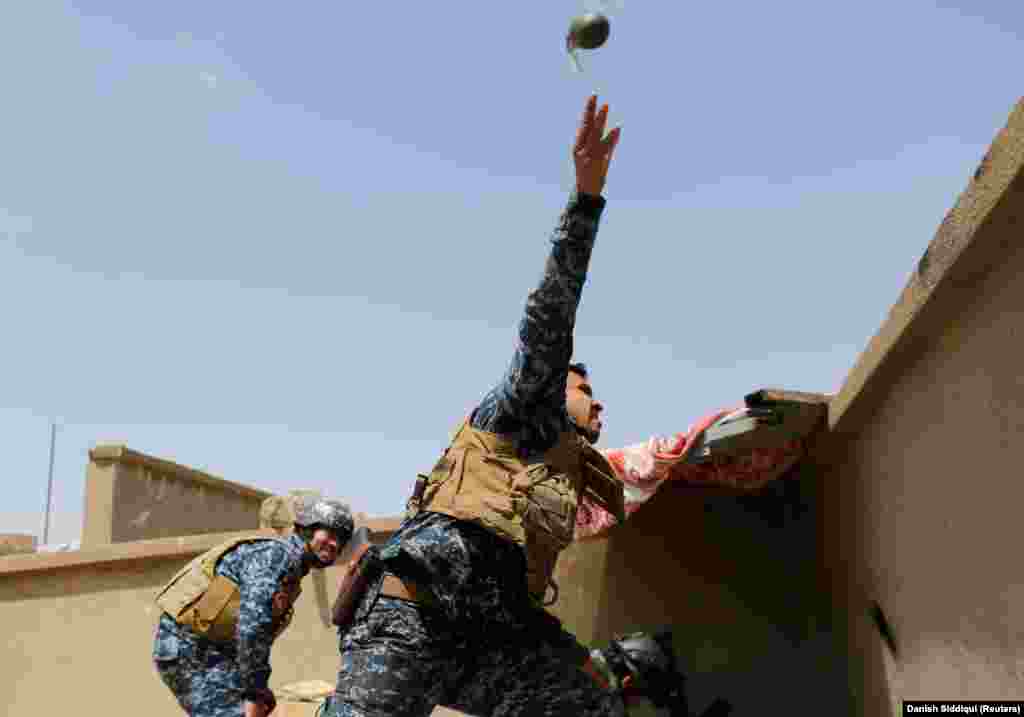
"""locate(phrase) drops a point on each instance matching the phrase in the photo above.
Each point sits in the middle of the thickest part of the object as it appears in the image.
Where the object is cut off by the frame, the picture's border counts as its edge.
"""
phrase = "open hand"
(593, 151)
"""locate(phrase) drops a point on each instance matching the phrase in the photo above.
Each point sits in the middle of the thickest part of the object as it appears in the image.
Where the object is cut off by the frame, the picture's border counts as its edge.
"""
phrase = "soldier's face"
(325, 546)
(582, 406)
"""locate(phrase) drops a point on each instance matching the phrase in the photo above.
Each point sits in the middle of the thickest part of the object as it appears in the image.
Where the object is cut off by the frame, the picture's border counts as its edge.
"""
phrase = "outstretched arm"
(531, 396)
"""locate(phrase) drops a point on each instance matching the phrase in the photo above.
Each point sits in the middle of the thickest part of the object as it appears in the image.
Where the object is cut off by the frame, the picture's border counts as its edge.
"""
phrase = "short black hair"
(578, 368)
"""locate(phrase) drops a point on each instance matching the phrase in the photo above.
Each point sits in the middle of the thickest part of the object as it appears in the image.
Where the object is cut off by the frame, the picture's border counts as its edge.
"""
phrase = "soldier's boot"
(643, 664)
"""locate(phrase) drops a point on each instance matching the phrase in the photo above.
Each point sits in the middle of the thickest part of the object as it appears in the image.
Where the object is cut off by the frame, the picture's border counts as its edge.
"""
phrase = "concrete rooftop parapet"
(106, 453)
(131, 496)
(975, 237)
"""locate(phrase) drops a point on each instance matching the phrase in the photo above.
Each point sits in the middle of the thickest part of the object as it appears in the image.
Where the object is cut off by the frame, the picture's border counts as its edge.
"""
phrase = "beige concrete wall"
(131, 496)
(79, 626)
(922, 494)
(580, 574)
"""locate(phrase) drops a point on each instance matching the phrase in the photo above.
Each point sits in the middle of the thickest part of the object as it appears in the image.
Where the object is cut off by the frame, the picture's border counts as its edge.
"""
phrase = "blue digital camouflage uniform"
(212, 679)
(484, 648)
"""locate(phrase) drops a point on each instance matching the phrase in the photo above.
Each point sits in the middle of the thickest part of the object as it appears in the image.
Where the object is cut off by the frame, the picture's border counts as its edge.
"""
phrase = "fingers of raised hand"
(610, 143)
(597, 129)
(591, 140)
(586, 124)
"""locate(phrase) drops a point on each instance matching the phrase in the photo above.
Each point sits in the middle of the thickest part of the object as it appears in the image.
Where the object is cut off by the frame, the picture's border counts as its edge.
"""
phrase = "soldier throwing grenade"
(223, 611)
(453, 613)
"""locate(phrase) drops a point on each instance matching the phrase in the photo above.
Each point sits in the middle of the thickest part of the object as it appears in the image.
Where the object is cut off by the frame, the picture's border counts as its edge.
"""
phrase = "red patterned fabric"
(643, 467)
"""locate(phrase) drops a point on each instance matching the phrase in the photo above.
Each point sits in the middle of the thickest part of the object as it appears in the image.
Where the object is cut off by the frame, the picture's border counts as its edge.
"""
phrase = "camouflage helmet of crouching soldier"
(645, 666)
(315, 512)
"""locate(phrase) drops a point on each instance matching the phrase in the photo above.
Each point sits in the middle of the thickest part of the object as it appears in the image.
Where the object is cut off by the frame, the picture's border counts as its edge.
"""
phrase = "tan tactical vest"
(208, 603)
(481, 479)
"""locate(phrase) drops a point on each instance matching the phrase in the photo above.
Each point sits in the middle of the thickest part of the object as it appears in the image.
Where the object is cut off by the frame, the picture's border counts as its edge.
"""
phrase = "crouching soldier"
(642, 666)
(223, 611)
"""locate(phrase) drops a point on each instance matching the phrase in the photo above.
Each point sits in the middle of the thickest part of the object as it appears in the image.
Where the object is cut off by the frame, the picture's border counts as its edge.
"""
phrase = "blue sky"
(291, 247)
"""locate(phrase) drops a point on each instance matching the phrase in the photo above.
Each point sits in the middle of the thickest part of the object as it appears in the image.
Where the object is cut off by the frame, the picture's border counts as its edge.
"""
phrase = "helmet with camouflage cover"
(312, 511)
(645, 666)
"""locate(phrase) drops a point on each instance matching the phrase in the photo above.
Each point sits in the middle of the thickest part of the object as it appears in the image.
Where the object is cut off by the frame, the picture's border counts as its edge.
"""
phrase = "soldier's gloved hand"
(259, 703)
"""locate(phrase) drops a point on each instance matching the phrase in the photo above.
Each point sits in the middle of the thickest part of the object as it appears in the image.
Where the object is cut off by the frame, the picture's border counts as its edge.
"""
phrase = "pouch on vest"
(361, 566)
(202, 600)
(546, 500)
(541, 556)
(215, 614)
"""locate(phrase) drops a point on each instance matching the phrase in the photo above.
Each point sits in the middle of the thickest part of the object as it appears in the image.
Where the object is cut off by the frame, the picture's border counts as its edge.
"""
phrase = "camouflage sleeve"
(261, 576)
(533, 387)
